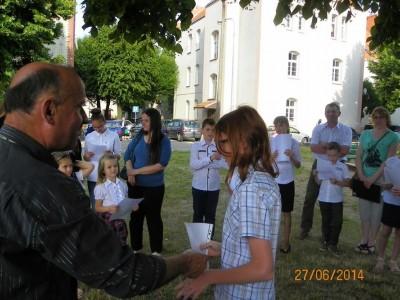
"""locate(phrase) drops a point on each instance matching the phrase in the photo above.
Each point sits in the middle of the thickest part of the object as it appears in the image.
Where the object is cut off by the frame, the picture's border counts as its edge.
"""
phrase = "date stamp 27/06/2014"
(320, 274)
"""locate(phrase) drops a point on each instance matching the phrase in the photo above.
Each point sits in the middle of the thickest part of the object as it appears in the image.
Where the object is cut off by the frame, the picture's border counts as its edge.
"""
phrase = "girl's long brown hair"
(245, 128)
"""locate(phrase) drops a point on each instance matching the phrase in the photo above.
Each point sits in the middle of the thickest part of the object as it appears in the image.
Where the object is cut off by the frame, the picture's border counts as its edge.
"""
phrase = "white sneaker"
(156, 253)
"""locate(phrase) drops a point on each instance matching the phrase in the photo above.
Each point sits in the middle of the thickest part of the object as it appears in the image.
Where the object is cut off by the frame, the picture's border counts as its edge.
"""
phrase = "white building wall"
(313, 87)
(186, 96)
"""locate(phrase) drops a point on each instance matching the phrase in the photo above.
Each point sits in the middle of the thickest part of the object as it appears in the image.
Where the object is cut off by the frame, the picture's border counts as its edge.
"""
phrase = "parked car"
(301, 137)
(183, 130)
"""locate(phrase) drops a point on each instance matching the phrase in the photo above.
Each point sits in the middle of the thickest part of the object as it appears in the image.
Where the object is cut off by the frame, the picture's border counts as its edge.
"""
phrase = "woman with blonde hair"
(376, 145)
(252, 219)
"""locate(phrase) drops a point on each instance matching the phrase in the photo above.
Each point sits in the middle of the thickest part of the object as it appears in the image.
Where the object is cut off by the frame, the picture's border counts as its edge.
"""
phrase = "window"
(292, 64)
(189, 43)
(300, 23)
(334, 26)
(290, 109)
(212, 88)
(288, 22)
(196, 74)
(198, 36)
(214, 45)
(343, 29)
(188, 71)
(336, 70)
(187, 109)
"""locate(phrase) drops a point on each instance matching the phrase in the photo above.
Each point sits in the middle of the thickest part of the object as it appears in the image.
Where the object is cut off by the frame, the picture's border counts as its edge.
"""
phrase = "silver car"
(301, 137)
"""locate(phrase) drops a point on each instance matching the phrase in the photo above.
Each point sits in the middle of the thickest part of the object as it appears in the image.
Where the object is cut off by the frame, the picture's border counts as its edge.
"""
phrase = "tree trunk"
(107, 110)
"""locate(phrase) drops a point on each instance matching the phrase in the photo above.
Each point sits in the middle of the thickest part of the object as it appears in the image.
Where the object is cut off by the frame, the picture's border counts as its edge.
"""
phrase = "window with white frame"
(198, 36)
(291, 109)
(288, 22)
(293, 61)
(188, 74)
(300, 23)
(214, 45)
(336, 70)
(343, 29)
(189, 43)
(196, 74)
(187, 115)
(212, 87)
(334, 26)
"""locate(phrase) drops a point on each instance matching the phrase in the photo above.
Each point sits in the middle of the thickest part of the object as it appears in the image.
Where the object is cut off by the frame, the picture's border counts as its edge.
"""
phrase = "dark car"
(183, 130)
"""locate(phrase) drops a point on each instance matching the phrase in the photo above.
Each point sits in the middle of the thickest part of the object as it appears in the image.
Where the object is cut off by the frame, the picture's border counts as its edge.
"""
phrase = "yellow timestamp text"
(319, 274)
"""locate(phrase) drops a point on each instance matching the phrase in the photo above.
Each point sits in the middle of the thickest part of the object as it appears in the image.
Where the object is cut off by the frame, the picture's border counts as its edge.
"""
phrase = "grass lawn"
(305, 255)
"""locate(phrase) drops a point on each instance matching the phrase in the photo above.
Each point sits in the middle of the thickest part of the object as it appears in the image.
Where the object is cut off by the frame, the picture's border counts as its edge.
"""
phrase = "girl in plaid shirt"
(252, 219)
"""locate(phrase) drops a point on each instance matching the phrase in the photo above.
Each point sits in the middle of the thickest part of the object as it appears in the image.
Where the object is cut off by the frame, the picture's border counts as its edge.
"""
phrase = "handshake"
(194, 265)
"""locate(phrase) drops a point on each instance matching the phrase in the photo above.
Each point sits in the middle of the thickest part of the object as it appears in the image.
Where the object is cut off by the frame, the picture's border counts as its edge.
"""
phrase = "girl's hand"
(131, 172)
(88, 155)
(275, 154)
(191, 288)
(396, 190)
(135, 207)
(367, 183)
(131, 179)
(112, 209)
(213, 248)
(289, 153)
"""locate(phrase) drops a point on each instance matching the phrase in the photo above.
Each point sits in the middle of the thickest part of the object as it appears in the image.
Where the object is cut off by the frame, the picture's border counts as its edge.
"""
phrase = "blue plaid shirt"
(254, 211)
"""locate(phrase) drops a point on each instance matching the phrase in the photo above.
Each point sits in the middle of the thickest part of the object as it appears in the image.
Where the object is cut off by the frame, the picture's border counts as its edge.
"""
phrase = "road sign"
(135, 109)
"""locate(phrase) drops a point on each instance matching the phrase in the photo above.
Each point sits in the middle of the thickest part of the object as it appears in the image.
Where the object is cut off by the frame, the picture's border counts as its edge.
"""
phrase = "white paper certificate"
(281, 143)
(98, 150)
(325, 169)
(199, 233)
(392, 171)
(125, 208)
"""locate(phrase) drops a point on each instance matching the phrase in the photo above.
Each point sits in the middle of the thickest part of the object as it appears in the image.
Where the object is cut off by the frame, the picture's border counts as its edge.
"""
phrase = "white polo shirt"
(107, 138)
(322, 133)
(205, 172)
(333, 193)
(391, 174)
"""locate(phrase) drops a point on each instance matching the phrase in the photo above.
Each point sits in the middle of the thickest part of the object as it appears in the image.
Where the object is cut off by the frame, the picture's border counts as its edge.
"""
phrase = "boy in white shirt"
(330, 199)
(205, 162)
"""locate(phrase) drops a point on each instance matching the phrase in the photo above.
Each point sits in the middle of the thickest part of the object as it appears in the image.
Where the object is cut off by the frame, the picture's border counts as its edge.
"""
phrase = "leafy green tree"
(370, 98)
(25, 28)
(386, 68)
(387, 21)
(142, 19)
(128, 74)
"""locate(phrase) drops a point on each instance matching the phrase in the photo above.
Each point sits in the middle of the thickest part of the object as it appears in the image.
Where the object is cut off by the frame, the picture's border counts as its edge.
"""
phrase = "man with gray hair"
(49, 236)
(331, 131)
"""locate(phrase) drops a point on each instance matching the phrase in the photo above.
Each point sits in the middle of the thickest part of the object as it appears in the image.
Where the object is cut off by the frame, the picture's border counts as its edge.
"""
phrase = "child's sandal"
(380, 265)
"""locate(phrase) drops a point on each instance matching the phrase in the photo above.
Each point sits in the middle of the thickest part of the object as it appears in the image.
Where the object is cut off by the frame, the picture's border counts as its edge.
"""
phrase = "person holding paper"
(330, 199)
(205, 163)
(251, 223)
(109, 192)
(390, 214)
(331, 131)
(98, 142)
(285, 180)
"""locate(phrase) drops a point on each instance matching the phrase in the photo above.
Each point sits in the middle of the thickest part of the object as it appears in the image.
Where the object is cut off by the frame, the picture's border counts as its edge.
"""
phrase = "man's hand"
(396, 190)
(195, 263)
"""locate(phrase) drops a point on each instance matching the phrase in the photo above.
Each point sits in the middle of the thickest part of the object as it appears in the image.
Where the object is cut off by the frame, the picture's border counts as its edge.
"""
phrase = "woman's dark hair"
(156, 134)
(245, 129)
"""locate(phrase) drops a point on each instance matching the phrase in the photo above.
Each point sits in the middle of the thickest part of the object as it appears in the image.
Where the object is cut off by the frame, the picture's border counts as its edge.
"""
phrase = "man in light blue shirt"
(331, 131)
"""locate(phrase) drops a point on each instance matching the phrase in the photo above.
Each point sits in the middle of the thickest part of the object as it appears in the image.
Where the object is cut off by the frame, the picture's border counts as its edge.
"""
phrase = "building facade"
(289, 69)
